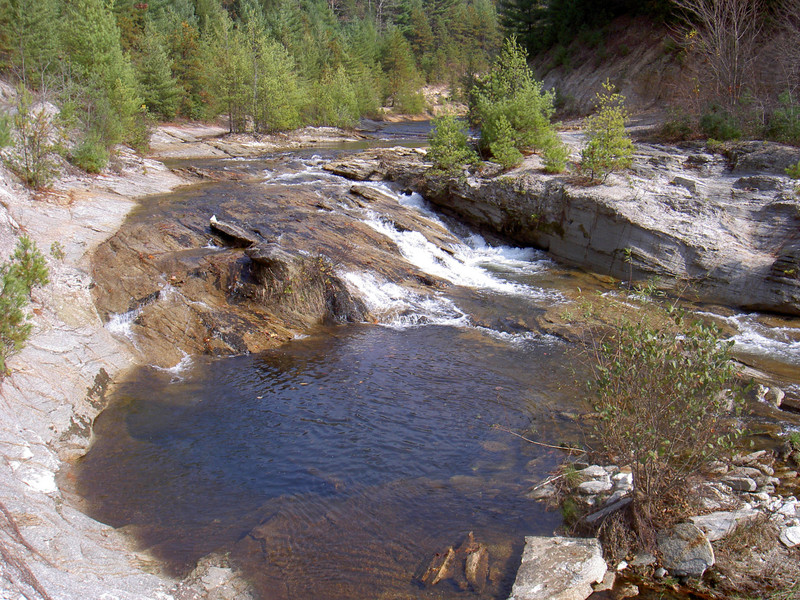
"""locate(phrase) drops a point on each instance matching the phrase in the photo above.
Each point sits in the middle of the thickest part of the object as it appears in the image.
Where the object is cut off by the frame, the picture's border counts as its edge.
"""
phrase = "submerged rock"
(239, 235)
(558, 568)
(467, 566)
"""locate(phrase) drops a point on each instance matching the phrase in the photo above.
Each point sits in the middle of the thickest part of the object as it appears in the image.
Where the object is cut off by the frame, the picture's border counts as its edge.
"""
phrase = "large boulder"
(558, 568)
(685, 550)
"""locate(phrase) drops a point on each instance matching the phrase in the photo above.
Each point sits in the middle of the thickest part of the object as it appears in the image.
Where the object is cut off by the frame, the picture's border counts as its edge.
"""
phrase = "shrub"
(90, 155)
(663, 398)
(510, 97)
(720, 124)
(17, 277)
(678, 126)
(410, 102)
(784, 124)
(793, 171)
(609, 148)
(449, 144)
(33, 142)
(502, 147)
(555, 154)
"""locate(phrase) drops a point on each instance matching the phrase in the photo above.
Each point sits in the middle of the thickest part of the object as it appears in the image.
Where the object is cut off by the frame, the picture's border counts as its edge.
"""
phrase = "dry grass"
(754, 564)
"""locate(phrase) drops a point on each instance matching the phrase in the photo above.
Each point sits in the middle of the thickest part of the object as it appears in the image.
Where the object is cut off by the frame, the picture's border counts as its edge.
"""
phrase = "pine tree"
(154, 73)
(32, 39)
(609, 147)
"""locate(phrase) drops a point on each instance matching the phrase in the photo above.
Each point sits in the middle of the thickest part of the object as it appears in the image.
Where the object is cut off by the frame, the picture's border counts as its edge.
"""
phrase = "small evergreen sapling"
(449, 145)
(609, 148)
(18, 276)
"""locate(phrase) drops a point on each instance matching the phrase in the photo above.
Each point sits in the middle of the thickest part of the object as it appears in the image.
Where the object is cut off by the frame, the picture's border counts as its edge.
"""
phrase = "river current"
(337, 465)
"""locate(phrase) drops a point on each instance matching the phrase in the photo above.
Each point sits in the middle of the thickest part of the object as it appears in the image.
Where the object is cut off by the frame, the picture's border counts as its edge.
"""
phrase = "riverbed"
(337, 464)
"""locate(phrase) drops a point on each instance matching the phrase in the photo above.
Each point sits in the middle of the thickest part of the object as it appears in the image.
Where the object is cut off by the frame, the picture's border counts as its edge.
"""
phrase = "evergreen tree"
(154, 71)
(31, 39)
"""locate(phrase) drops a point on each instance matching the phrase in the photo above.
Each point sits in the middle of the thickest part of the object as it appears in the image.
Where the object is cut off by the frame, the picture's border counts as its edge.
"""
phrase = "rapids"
(336, 465)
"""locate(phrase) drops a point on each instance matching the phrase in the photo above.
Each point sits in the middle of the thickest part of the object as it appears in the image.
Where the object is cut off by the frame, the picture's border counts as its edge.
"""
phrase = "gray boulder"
(558, 568)
(685, 550)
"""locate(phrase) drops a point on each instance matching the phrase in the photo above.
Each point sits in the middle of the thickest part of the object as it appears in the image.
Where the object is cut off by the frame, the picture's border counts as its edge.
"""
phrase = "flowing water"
(338, 464)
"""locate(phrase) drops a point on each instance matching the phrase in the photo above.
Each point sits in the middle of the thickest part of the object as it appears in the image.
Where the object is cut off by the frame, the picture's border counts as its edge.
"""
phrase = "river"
(338, 464)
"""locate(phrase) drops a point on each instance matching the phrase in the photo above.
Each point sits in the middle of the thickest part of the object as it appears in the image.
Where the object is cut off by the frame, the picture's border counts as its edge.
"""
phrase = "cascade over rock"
(712, 228)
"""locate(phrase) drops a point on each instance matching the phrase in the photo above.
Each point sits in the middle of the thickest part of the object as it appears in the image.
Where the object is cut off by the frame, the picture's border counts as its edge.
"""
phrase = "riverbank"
(57, 386)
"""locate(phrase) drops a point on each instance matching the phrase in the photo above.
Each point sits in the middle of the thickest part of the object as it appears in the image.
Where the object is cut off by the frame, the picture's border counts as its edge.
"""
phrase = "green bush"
(784, 124)
(33, 145)
(510, 98)
(609, 148)
(90, 155)
(502, 147)
(18, 276)
(449, 144)
(555, 154)
(720, 124)
(410, 102)
(679, 126)
(663, 395)
(793, 171)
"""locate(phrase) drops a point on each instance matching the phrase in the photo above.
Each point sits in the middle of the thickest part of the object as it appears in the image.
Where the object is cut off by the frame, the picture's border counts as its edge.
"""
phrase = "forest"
(115, 67)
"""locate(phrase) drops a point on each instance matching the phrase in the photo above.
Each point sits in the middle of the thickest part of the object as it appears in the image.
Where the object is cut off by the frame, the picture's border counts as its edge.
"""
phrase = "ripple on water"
(335, 465)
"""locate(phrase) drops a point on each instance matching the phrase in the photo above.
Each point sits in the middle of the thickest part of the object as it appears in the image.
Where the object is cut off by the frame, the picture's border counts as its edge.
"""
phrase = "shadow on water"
(334, 466)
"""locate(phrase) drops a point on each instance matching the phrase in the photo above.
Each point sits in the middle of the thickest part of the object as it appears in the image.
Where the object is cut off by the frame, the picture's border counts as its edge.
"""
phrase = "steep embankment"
(717, 229)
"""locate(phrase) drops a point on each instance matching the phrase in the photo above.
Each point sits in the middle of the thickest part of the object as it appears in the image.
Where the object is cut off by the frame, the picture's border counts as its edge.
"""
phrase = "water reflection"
(364, 421)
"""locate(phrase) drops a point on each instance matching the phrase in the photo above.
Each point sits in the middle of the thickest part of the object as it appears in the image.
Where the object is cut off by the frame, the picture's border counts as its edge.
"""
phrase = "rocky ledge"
(716, 227)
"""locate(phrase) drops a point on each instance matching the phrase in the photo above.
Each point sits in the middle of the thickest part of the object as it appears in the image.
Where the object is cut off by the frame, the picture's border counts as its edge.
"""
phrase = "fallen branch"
(567, 448)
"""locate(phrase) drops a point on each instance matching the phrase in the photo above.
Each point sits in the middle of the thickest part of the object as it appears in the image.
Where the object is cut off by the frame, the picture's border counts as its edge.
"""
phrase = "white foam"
(753, 337)
(395, 306)
(177, 370)
(465, 266)
(121, 324)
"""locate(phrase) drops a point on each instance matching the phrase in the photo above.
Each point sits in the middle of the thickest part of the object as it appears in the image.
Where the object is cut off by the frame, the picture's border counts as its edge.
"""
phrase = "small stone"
(790, 536)
(685, 550)
(766, 470)
(746, 459)
(717, 467)
(626, 590)
(607, 584)
(685, 183)
(740, 484)
(750, 472)
(477, 568)
(788, 509)
(643, 559)
(622, 566)
(591, 488)
(660, 573)
(720, 524)
(542, 493)
(593, 472)
(623, 480)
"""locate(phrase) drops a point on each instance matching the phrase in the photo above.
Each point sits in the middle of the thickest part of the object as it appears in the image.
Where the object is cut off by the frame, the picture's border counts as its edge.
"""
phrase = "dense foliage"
(663, 395)
(540, 24)
(114, 65)
(18, 276)
(512, 110)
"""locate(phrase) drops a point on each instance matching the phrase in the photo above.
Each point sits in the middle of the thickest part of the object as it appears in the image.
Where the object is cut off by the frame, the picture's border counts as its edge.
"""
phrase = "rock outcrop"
(713, 228)
(558, 568)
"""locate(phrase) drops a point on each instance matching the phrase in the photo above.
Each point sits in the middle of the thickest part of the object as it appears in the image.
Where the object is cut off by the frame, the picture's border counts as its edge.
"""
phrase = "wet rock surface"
(204, 274)
(720, 229)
